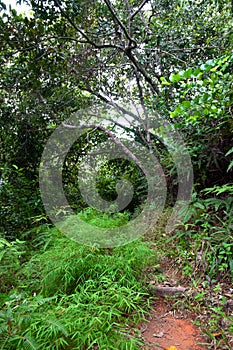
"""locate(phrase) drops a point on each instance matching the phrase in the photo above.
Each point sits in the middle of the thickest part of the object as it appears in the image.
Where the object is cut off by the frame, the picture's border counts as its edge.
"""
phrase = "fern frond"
(57, 324)
(3, 340)
(29, 343)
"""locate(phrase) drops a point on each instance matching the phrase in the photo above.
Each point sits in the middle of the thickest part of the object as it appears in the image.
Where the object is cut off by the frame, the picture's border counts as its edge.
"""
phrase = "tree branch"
(138, 9)
(44, 101)
(132, 42)
(127, 50)
(83, 34)
(142, 70)
(168, 290)
(109, 101)
(112, 137)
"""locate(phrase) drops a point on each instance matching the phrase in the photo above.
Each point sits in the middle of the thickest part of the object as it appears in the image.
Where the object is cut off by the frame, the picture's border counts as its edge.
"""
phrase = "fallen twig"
(168, 290)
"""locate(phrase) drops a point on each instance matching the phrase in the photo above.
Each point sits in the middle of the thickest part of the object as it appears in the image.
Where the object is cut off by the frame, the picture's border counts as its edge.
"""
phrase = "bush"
(11, 255)
(207, 233)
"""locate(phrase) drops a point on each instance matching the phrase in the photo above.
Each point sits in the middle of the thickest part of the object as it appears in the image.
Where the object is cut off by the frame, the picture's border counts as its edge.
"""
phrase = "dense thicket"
(68, 55)
(174, 59)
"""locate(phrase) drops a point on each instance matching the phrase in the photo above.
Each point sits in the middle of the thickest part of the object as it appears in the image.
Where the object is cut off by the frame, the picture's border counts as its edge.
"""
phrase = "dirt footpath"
(168, 330)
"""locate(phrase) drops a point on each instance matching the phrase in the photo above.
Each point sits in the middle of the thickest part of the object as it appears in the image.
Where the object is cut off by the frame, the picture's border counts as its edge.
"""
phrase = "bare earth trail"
(167, 328)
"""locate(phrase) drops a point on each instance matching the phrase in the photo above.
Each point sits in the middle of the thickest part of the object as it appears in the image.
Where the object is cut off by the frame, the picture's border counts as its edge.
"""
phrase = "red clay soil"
(168, 330)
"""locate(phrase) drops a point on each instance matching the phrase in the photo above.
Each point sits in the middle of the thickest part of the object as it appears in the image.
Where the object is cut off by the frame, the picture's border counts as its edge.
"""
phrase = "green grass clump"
(71, 296)
(106, 220)
(94, 228)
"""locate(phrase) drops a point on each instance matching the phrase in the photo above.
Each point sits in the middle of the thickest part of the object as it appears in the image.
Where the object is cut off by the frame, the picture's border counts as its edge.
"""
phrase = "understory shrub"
(207, 233)
(71, 296)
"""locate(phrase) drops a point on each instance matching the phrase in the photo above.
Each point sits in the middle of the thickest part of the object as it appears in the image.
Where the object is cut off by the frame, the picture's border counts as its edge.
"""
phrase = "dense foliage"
(69, 296)
(174, 59)
(67, 56)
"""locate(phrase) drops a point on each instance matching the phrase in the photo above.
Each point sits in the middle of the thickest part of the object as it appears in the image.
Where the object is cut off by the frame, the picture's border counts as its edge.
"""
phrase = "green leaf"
(164, 81)
(229, 152)
(186, 104)
(231, 266)
(175, 77)
(176, 112)
(187, 74)
(196, 72)
(57, 324)
(193, 118)
(199, 205)
(230, 166)
(29, 343)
